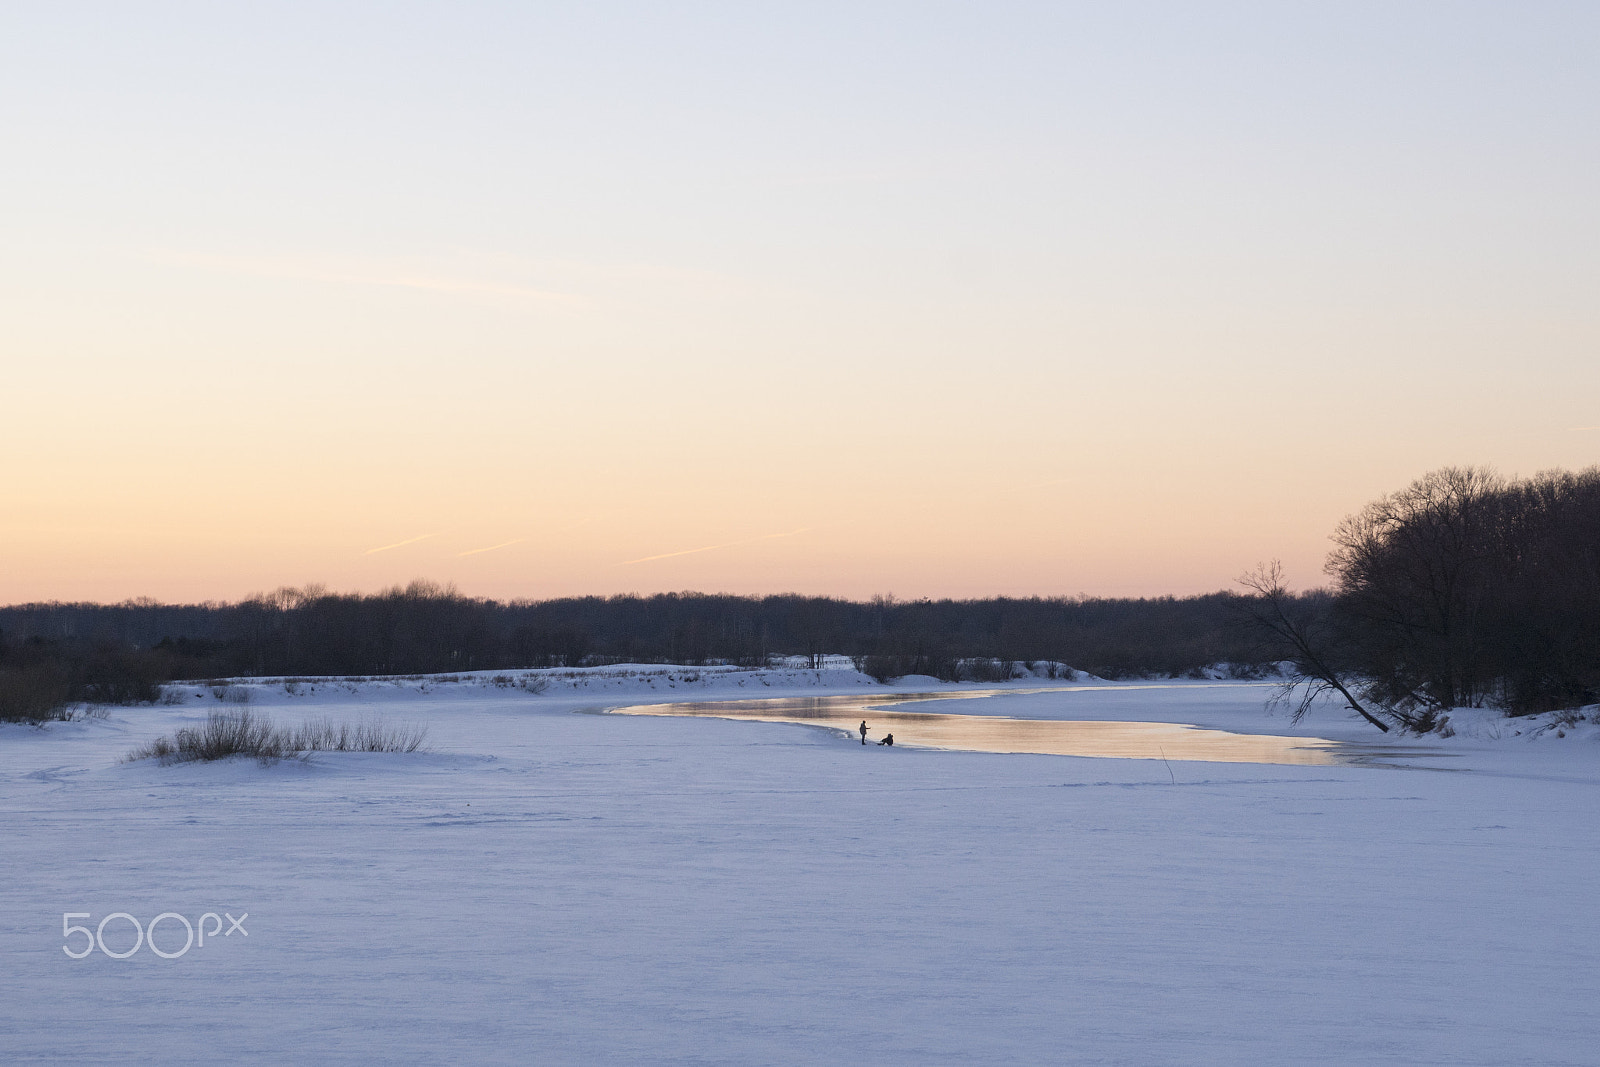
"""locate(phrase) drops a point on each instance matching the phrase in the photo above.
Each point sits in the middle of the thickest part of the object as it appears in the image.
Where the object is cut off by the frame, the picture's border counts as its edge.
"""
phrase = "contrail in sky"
(398, 544)
(396, 278)
(491, 548)
(713, 548)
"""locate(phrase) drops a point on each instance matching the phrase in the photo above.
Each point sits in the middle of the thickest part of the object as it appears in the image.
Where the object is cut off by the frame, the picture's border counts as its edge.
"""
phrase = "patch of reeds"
(230, 734)
(369, 735)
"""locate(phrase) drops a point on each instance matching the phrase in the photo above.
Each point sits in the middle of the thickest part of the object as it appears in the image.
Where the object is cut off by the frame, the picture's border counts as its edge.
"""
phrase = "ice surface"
(899, 719)
(553, 887)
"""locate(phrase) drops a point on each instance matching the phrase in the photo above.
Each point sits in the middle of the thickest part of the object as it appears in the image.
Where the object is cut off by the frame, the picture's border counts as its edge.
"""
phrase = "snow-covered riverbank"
(552, 887)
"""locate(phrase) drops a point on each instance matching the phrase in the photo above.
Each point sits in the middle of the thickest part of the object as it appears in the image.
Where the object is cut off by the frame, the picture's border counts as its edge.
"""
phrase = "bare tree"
(1273, 610)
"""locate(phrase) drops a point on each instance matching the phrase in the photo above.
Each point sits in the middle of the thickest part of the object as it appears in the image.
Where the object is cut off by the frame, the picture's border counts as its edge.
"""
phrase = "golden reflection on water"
(993, 733)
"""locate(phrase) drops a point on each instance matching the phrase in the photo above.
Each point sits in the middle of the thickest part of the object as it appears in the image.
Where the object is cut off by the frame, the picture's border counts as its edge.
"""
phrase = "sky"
(927, 299)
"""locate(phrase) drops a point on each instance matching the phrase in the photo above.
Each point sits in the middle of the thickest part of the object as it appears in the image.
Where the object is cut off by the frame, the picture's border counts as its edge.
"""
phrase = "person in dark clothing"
(888, 739)
(863, 731)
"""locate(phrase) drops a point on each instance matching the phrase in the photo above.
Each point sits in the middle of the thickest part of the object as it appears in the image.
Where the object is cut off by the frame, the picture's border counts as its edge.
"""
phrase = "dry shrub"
(226, 734)
(35, 693)
(369, 735)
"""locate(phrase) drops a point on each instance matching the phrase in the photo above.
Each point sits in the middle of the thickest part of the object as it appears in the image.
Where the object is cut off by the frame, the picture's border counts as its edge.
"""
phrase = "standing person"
(863, 731)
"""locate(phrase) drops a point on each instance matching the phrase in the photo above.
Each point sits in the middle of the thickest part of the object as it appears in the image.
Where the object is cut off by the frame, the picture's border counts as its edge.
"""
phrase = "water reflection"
(993, 733)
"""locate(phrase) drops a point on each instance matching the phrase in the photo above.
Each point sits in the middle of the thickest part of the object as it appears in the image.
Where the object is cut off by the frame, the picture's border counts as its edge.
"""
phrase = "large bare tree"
(1297, 629)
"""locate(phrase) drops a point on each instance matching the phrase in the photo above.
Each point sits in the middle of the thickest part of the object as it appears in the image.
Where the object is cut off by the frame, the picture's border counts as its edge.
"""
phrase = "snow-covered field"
(545, 886)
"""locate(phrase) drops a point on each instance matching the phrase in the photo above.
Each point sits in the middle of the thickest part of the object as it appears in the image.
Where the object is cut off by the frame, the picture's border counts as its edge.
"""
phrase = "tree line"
(1465, 588)
(75, 650)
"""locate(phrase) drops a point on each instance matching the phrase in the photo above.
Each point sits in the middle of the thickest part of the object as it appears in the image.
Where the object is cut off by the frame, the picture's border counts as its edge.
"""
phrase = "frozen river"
(557, 888)
(1000, 733)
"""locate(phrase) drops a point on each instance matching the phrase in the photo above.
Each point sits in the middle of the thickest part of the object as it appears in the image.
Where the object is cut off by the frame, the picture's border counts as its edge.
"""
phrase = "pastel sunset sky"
(938, 299)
